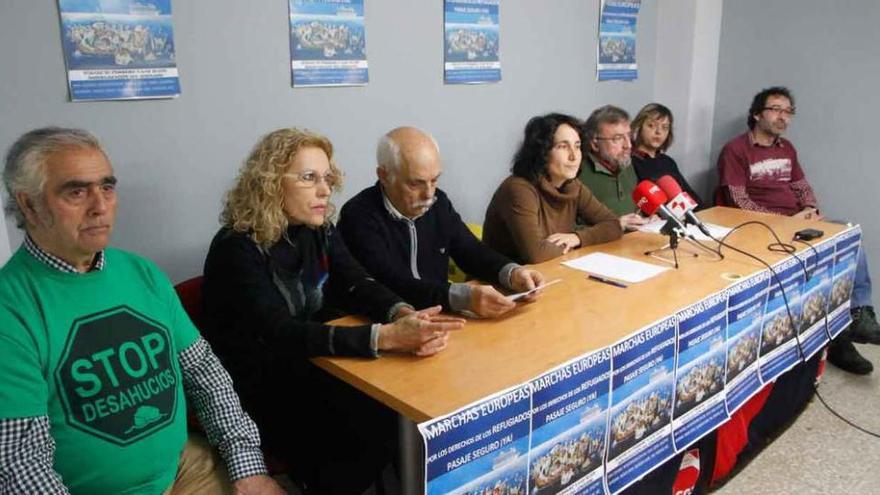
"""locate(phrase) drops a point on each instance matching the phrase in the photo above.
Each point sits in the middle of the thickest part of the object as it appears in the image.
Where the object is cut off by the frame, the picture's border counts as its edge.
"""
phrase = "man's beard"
(625, 163)
(774, 129)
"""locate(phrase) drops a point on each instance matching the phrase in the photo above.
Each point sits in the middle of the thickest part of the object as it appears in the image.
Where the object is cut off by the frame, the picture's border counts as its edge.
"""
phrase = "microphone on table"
(650, 199)
(681, 203)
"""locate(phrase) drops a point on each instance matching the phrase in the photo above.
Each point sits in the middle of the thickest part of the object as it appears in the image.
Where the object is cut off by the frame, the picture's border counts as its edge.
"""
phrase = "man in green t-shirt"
(97, 355)
(607, 168)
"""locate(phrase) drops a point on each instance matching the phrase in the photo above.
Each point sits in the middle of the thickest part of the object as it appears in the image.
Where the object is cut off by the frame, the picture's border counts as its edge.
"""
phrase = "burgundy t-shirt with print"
(766, 172)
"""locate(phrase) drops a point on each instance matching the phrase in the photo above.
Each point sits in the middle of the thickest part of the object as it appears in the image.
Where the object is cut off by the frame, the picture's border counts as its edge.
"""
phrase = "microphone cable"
(777, 246)
(840, 416)
(782, 247)
(816, 387)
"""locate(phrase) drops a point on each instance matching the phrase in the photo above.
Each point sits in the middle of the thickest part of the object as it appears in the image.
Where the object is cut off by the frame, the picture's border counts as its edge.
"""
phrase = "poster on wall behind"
(746, 302)
(845, 260)
(616, 58)
(327, 43)
(470, 42)
(780, 344)
(569, 418)
(639, 423)
(816, 295)
(698, 403)
(482, 448)
(118, 49)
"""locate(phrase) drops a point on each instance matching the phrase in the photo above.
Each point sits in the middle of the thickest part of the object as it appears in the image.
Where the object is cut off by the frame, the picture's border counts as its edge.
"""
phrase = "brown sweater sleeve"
(520, 208)
(601, 223)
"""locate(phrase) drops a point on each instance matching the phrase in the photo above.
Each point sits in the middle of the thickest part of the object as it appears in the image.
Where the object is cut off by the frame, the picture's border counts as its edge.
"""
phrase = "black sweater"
(648, 168)
(247, 319)
(382, 244)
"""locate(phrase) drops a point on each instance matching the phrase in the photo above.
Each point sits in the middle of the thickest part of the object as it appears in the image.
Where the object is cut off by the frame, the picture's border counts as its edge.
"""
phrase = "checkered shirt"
(58, 263)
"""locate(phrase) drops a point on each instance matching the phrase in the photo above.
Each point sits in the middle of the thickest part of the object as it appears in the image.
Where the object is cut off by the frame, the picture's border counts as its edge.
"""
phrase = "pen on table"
(607, 281)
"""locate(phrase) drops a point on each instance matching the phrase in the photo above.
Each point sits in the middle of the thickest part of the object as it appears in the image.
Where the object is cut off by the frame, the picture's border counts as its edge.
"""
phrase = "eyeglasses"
(616, 139)
(309, 179)
(787, 111)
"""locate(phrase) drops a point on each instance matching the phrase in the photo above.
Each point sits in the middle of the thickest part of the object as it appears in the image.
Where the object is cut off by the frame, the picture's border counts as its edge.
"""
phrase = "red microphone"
(681, 203)
(650, 199)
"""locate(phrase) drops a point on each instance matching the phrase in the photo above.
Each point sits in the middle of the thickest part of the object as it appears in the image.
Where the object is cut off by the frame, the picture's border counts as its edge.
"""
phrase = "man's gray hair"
(388, 155)
(608, 114)
(26, 159)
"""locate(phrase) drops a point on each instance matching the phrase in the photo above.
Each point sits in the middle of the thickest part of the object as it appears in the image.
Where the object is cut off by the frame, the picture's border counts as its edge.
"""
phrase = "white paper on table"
(615, 267)
(717, 231)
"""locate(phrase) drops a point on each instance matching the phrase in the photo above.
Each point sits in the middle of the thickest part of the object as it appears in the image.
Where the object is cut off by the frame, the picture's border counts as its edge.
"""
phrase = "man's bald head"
(408, 168)
(405, 145)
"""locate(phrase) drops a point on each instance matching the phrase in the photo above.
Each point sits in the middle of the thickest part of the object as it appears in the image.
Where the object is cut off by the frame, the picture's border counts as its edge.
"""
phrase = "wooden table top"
(569, 319)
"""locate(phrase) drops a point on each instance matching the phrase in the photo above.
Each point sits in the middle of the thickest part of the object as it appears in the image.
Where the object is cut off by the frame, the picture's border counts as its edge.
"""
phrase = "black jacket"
(248, 321)
(382, 245)
(305, 416)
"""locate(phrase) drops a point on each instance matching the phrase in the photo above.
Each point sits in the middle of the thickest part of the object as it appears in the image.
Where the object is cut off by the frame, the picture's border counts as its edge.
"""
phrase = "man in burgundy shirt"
(759, 171)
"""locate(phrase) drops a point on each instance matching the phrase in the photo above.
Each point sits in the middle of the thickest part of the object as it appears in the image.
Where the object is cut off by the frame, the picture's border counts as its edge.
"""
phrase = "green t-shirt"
(97, 354)
(613, 190)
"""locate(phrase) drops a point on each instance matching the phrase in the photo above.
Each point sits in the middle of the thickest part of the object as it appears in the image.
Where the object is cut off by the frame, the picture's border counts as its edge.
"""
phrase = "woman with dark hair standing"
(540, 211)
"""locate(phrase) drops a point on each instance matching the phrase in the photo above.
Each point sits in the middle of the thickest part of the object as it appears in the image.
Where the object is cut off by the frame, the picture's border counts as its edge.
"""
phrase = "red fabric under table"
(733, 435)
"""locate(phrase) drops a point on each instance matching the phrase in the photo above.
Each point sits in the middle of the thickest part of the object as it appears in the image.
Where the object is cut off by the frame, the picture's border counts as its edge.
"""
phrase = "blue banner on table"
(470, 42)
(639, 427)
(118, 49)
(779, 342)
(746, 302)
(845, 261)
(328, 43)
(616, 59)
(698, 404)
(815, 298)
(569, 417)
(481, 447)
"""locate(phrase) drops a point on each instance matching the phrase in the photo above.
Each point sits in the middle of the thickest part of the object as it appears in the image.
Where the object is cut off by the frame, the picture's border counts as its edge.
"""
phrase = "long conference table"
(569, 319)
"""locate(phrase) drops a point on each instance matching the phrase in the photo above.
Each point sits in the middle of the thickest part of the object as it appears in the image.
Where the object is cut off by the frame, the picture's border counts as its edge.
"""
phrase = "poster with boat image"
(118, 49)
(846, 254)
(616, 49)
(328, 43)
(481, 448)
(746, 302)
(471, 52)
(816, 294)
(699, 400)
(639, 427)
(569, 420)
(779, 349)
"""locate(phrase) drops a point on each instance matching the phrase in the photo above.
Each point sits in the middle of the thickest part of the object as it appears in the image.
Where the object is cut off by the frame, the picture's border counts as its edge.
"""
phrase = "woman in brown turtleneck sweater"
(540, 212)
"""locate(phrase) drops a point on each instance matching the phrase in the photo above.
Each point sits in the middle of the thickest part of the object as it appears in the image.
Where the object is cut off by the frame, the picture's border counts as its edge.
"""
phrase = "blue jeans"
(861, 294)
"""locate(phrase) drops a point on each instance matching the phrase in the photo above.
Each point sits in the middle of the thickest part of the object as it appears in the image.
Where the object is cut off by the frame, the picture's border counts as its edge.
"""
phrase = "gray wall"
(175, 158)
(688, 36)
(826, 53)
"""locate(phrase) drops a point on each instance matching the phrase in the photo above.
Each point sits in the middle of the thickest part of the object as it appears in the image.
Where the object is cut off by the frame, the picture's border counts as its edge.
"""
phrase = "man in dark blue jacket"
(404, 229)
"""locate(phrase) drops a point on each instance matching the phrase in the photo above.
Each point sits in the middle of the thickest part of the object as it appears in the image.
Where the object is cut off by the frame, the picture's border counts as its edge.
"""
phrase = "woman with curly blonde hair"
(275, 271)
(256, 203)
